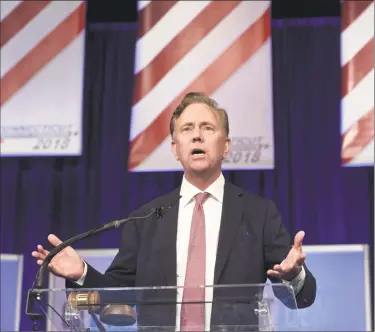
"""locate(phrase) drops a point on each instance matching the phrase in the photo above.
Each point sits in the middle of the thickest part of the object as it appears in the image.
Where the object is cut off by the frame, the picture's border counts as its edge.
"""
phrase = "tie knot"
(201, 197)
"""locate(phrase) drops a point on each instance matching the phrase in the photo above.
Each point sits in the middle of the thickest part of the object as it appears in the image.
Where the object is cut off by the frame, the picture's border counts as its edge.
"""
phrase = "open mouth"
(197, 152)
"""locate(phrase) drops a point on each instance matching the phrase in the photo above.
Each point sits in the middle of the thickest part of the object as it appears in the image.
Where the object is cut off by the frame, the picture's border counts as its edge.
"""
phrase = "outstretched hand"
(66, 263)
(291, 266)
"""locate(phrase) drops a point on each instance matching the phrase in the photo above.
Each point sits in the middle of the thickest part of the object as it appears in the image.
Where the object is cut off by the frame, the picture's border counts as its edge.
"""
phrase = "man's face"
(199, 140)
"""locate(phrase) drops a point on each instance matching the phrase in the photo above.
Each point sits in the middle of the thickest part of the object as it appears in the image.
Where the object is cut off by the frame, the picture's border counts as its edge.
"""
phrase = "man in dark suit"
(214, 233)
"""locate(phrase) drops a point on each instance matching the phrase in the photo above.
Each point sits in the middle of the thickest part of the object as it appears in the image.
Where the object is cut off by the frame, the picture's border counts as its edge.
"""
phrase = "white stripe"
(17, 319)
(367, 286)
(6, 7)
(334, 248)
(9, 257)
(358, 102)
(253, 85)
(38, 28)
(194, 63)
(363, 158)
(357, 34)
(142, 4)
(87, 253)
(51, 301)
(172, 23)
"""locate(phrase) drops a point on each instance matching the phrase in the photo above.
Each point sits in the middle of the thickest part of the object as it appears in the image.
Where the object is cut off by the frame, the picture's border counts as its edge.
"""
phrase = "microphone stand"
(34, 296)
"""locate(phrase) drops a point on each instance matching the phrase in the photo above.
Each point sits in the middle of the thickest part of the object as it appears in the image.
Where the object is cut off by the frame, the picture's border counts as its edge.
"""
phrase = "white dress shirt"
(212, 210)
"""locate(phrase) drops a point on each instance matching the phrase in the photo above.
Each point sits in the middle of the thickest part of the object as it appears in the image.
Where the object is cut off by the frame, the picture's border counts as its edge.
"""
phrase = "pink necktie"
(192, 314)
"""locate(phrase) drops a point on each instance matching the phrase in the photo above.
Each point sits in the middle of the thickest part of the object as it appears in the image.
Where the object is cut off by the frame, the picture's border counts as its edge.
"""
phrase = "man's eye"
(186, 129)
(208, 128)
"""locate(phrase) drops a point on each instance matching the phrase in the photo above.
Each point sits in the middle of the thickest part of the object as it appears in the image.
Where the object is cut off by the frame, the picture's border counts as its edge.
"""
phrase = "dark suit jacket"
(252, 239)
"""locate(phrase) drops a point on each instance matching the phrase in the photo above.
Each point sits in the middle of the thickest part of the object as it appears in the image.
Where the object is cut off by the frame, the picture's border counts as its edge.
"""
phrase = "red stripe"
(151, 14)
(357, 137)
(42, 54)
(358, 67)
(209, 81)
(351, 10)
(188, 38)
(18, 18)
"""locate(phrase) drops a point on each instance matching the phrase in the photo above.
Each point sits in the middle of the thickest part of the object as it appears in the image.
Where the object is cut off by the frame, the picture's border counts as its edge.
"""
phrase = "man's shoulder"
(251, 201)
(162, 201)
(255, 206)
(250, 197)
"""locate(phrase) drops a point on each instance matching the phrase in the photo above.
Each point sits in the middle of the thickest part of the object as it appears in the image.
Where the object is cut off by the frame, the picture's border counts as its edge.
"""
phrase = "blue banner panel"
(11, 285)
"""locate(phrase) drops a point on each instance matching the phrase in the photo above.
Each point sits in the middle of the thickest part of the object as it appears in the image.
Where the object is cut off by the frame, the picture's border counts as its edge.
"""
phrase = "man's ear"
(174, 150)
(227, 146)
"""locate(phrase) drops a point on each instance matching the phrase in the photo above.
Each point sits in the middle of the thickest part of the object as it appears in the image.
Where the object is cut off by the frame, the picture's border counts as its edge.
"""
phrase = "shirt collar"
(188, 191)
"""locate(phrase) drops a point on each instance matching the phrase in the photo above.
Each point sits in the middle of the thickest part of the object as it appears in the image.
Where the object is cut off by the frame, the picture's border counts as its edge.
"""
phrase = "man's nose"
(197, 135)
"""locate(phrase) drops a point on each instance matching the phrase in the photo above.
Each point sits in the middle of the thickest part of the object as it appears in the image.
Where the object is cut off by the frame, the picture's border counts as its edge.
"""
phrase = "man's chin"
(200, 168)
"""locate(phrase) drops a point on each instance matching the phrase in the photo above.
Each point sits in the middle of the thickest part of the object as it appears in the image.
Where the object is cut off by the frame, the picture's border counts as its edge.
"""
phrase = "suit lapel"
(230, 221)
(167, 239)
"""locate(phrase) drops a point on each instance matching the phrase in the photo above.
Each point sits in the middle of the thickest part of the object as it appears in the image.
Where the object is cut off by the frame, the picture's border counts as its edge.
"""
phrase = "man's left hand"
(291, 266)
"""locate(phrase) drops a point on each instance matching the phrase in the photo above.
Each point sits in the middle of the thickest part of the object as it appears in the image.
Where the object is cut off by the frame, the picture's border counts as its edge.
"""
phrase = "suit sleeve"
(277, 244)
(122, 271)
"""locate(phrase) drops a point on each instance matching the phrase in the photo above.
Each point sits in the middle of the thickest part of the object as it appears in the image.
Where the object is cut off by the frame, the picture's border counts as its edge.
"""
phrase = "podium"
(248, 307)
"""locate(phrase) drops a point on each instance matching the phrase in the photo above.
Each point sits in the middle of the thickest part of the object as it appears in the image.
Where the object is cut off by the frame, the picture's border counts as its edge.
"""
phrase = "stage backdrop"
(357, 62)
(42, 57)
(220, 48)
(66, 196)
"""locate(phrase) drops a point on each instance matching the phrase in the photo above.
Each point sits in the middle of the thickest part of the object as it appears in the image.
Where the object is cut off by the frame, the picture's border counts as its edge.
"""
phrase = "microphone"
(38, 283)
(159, 211)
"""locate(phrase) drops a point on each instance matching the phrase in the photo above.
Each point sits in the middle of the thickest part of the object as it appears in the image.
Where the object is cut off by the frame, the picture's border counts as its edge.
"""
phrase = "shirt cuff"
(297, 282)
(81, 280)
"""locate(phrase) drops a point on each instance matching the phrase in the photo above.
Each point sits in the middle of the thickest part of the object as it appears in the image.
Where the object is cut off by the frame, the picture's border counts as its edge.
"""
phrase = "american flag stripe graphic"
(18, 18)
(194, 46)
(32, 35)
(357, 61)
(362, 64)
(151, 14)
(162, 63)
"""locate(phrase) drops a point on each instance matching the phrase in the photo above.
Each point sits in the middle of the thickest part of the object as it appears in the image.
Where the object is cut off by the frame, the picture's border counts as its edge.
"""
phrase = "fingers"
(293, 260)
(298, 240)
(42, 250)
(301, 259)
(278, 270)
(272, 273)
(41, 253)
(287, 268)
(54, 240)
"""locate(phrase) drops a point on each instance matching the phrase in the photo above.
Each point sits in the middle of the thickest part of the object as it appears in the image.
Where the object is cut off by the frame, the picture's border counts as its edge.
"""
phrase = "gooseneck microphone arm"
(106, 227)
(35, 294)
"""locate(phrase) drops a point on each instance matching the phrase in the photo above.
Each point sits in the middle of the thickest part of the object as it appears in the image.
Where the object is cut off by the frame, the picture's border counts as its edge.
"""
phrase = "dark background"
(126, 10)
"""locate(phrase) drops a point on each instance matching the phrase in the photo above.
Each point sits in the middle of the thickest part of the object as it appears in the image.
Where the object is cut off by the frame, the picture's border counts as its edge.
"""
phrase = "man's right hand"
(66, 263)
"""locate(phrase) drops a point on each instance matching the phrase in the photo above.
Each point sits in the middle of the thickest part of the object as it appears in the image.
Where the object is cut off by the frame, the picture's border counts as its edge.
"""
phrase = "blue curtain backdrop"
(67, 196)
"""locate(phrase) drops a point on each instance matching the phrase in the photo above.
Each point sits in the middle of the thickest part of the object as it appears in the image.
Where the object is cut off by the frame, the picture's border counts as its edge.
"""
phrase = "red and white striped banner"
(222, 48)
(357, 63)
(42, 58)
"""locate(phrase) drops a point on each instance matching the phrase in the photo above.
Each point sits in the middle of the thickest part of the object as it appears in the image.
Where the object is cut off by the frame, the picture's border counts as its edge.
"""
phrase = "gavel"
(110, 313)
